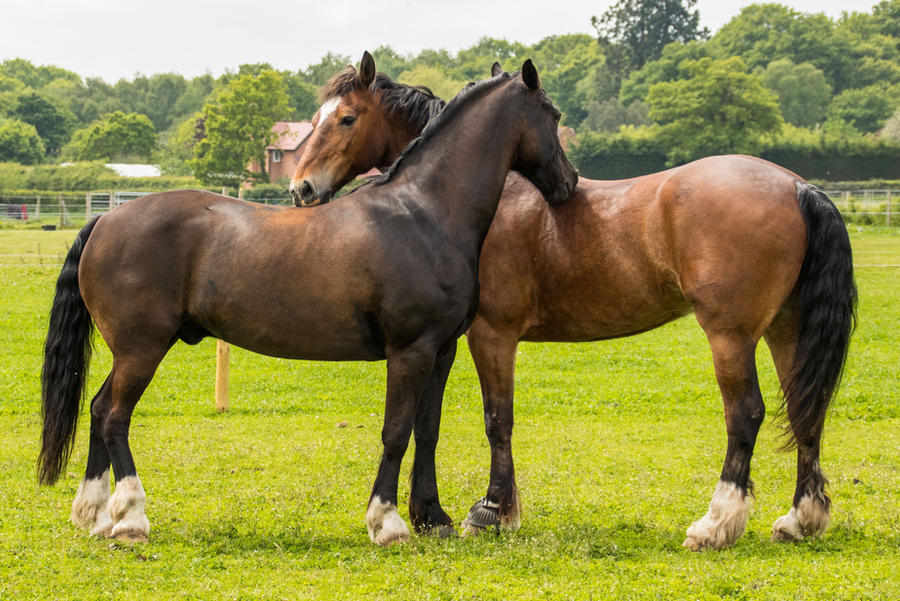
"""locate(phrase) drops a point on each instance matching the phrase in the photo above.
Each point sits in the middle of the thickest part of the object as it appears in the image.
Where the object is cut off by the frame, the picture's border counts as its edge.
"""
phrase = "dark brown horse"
(390, 273)
(753, 250)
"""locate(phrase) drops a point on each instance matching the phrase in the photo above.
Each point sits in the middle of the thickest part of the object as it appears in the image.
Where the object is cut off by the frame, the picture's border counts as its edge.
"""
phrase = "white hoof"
(126, 511)
(723, 523)
(809, 518)
(384, 523)
(89, 506)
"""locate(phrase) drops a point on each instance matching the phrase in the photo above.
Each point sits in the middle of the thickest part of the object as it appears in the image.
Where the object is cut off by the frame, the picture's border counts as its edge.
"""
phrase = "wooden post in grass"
(223, 355)
(223, 360)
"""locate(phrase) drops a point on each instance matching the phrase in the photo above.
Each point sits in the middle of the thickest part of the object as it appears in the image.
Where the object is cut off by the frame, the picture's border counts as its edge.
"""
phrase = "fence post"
(223, 361)
(223, 364)
(63, 212)
(887, 215)
(87, 206)
(37, 209)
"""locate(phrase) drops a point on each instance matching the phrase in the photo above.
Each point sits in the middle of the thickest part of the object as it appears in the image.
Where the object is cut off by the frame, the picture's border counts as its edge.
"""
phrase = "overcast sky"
(115, 39)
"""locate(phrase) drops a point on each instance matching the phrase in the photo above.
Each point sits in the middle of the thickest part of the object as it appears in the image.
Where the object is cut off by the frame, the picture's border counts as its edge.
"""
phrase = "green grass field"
(618, 448)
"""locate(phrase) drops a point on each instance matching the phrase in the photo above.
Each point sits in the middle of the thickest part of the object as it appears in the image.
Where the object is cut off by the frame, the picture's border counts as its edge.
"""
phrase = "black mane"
(436, 122)
(417, 104)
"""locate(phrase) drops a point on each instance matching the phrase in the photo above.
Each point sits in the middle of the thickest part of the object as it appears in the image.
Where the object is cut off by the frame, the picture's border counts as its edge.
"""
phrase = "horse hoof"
(443, 531)
(131, 536)
(386, 538)
(483, 515)
(103, 526)
(694, 544)
(787, 528)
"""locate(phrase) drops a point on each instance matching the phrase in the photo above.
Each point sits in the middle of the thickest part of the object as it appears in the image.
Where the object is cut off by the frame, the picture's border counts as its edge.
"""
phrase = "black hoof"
(484, 514)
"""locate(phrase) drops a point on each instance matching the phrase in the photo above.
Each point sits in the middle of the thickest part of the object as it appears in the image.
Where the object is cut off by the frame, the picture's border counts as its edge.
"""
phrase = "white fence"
(865, 207)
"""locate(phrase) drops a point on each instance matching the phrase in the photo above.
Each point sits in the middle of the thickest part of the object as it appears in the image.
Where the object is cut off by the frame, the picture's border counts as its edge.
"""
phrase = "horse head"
(349, 132)
(541, 158)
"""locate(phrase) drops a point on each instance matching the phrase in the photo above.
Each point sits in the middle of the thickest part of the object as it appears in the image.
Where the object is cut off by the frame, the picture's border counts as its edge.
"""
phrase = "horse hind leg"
(129, 378)
(494, 354)
(810, 510)
(89, 509)
(733, 356)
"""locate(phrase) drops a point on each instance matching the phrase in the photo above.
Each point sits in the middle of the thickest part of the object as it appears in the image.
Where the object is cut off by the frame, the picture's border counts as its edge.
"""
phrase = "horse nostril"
(306, 191)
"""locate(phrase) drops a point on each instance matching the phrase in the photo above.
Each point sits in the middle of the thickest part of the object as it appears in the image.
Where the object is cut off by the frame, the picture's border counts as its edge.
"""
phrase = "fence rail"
(863, 207)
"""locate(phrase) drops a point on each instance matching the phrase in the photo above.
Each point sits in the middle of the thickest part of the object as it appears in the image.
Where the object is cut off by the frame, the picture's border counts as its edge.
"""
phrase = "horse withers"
(390, 273)
(749, 247)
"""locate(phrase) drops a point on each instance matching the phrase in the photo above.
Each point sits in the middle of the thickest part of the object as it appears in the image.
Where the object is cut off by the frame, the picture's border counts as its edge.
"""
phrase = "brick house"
(282, 156)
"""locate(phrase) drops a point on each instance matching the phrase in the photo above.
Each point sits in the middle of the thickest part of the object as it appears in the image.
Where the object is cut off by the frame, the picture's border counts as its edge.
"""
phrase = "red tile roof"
(293, 133)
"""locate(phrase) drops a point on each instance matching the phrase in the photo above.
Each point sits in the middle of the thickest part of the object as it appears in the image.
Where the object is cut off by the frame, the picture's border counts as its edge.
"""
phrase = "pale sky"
(115, 39)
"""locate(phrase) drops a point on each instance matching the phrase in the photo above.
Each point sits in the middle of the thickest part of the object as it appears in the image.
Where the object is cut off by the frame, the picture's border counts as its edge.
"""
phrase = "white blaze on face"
(328, 107)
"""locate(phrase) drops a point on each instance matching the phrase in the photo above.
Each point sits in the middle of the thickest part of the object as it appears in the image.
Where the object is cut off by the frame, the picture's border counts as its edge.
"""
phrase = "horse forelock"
(341, 84)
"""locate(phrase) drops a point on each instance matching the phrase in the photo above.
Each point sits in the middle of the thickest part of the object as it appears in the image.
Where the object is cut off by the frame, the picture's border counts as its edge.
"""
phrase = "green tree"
(177, 149)
(634, 32)
(762, 33)
(865, 109)
(666, 68)
(53, 122)
(891, 130)
(433, 78)
(34, 76)
(319, 73)
(575, 73)
(116, 136)
(389, 62)
(803, 94)
(238, 126)
(719, 109)
(609, 116)
(20, 143)
(302, 96)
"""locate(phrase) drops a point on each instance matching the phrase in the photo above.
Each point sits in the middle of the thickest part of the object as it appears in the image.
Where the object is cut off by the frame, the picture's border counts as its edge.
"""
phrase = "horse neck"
(461, 167)
(398, 133)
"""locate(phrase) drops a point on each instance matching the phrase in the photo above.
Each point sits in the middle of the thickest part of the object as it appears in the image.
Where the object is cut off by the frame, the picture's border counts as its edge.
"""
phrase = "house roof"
(292, 134)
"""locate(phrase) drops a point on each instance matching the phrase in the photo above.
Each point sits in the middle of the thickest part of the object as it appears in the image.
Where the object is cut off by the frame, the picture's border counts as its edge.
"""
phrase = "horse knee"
(498, 427)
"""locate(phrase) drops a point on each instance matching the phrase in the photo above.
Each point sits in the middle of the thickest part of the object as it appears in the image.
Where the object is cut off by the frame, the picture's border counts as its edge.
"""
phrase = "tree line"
(651, 78)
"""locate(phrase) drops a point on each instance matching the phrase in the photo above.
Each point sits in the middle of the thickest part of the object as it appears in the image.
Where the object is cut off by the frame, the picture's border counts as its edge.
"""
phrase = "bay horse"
(747, 246)
(389, 274)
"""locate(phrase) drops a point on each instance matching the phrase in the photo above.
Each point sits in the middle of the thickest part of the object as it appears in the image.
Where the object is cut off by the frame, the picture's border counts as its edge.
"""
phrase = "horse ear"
(496, 69)
(366, 69)
(530, 75)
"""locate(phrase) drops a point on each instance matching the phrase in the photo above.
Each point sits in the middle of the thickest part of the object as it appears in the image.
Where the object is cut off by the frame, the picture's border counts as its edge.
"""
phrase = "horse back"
(624, 256)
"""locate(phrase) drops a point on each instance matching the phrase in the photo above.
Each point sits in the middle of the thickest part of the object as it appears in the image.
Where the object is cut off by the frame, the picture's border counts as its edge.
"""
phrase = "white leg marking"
(384, 523)
(126, 508)
(808, 518)
(723, 523)
(89, 505)
(511, 520)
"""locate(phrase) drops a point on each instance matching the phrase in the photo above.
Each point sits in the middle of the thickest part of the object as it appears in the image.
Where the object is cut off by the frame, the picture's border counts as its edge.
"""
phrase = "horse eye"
(348, 119)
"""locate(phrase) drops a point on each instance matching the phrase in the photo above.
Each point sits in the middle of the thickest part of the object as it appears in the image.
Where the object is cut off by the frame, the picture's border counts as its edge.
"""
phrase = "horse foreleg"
(810, 510)
(494, 354)
(408, 372)
(89, 509)
(425, 509)
(733, 356)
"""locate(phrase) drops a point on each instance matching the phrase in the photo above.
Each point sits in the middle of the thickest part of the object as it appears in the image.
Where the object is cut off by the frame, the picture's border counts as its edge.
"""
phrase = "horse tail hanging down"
(826, 301)
(67, 353)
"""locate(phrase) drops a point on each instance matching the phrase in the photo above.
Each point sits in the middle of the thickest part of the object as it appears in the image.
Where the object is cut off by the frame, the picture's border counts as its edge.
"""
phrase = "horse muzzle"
(307, 195)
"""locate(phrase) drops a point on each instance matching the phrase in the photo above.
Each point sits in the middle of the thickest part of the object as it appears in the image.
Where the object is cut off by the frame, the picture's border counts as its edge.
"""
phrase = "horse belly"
(609, 309)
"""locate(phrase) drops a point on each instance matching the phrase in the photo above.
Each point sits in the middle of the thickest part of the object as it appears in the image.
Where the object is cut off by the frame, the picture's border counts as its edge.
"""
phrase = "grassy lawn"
(618, 448)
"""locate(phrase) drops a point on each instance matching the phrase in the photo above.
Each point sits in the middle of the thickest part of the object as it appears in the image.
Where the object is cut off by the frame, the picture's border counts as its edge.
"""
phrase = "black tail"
(67, 353)
(826, 302)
